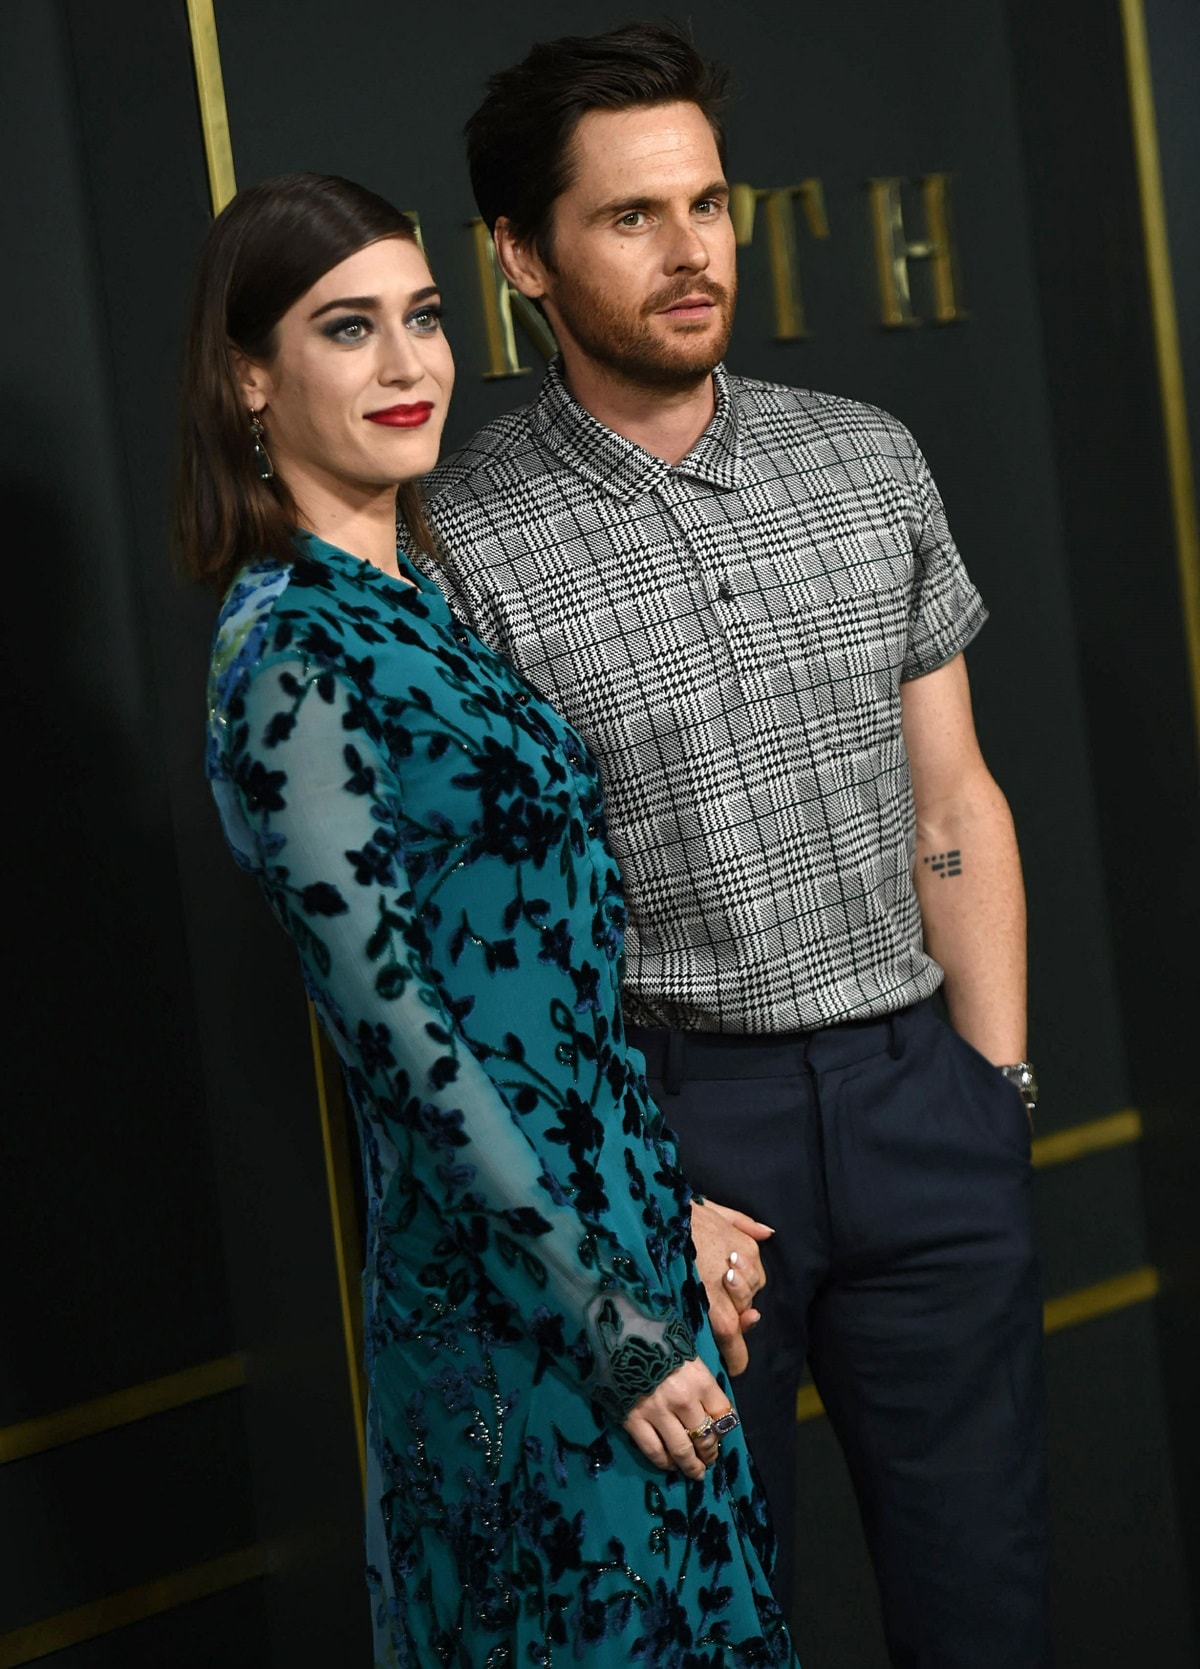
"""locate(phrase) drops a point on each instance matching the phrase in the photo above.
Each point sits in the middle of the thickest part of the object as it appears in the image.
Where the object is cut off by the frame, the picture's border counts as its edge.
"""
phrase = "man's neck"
(666, 422)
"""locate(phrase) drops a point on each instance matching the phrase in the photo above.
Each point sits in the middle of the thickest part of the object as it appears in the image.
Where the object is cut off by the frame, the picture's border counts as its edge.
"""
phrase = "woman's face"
(354, 397)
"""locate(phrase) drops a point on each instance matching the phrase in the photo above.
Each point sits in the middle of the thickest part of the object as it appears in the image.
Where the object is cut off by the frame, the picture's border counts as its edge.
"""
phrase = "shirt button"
(724, 592)
(522, 698)
(461, 638)
(592, 827)
(572, 757)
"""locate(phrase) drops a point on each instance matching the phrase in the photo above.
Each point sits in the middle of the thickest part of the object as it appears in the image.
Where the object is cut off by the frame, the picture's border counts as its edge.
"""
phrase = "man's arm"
(968, 872)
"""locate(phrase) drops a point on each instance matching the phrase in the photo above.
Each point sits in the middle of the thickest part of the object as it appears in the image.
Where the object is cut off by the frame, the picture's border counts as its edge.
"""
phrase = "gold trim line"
(1105, 1298)
(1117, 1130)
(343, 1214)
(1166, 331)
(808, 1403)
(210, 89)
(133, 1605)
(121, 1408)
(1073, 1308)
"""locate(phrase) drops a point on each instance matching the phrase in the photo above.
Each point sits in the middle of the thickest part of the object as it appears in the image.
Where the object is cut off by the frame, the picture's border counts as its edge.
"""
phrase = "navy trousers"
(893, 1162)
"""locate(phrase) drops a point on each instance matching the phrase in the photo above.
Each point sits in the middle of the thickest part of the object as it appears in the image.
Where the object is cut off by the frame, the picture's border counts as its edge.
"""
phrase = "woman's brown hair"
(266, 248)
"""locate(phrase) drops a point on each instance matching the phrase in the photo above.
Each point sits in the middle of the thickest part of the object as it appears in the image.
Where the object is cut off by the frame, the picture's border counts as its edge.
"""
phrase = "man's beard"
(629, 346)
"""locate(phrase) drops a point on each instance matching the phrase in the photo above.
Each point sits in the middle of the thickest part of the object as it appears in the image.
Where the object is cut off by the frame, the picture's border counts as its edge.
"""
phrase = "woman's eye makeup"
(426, 319)
(351, 327)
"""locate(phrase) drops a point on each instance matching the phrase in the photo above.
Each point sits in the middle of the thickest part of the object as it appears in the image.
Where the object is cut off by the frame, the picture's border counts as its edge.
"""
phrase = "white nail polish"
(733, 1257)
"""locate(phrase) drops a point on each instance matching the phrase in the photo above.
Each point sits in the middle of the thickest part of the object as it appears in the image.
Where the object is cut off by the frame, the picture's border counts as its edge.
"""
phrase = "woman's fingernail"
(731, 1277)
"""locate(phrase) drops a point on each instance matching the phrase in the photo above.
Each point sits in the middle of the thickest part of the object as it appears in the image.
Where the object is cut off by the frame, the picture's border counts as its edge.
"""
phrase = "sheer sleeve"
(313, 804)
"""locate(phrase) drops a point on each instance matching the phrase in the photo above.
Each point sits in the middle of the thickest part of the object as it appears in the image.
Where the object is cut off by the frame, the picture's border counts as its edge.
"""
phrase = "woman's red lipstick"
(403, 417)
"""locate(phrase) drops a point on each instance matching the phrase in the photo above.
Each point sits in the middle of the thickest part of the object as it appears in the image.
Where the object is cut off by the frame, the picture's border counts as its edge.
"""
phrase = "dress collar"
(363, 573)
(620, 467)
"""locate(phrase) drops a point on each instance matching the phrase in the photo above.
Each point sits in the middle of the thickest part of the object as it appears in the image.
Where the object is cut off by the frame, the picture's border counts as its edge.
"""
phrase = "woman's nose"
(401, 363)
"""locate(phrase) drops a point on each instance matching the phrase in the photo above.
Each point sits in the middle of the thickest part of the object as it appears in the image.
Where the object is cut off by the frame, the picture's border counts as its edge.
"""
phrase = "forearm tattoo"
(945, 864)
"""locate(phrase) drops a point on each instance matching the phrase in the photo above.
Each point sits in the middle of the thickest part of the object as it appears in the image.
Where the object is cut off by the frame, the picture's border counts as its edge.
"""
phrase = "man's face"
(643, 281)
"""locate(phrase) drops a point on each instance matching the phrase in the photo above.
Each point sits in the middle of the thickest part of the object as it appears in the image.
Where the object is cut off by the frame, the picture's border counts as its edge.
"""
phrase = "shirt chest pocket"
(832, 668)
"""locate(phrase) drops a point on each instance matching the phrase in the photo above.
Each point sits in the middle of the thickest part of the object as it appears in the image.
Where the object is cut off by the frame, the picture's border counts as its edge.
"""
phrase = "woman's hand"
(729, 1264)
(659, 1423)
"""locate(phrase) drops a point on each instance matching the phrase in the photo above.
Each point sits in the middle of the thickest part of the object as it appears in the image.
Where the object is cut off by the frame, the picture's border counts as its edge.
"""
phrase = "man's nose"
(686, 249)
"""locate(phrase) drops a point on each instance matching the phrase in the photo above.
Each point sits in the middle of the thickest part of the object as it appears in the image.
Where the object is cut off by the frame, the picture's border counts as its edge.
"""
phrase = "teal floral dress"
(431, 835)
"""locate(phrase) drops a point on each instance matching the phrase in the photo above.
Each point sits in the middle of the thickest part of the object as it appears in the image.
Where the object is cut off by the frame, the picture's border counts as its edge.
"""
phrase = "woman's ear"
(519, 262)
(253, 380)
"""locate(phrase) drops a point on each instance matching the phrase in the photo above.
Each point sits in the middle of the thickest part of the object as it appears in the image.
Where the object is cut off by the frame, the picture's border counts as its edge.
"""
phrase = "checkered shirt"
(729, 634)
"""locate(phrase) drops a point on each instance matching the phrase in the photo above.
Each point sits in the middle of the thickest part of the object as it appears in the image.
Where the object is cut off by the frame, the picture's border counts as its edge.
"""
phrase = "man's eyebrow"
(371, 303)
(627, 205)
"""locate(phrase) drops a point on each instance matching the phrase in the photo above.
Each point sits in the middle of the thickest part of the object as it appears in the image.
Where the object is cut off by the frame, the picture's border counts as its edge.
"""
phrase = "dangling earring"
(262, 461)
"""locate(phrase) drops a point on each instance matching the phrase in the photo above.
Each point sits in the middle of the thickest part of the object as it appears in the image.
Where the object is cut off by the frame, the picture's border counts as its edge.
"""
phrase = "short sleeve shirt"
(729, 634)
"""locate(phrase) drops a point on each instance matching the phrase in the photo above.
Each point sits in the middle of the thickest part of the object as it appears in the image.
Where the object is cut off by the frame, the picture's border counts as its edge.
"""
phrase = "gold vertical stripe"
(344, 1217)
(1073, 1308)
(218, 148)
(1117, 1130)
(1166, 331)
(133, 1605)
(210, 87)
(121, 1408)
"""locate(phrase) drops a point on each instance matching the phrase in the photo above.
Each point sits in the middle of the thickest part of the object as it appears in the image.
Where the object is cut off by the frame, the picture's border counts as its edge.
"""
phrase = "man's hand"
(729, 1264)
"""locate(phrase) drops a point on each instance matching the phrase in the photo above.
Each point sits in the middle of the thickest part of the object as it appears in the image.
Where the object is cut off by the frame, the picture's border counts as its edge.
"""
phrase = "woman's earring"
(262, 461)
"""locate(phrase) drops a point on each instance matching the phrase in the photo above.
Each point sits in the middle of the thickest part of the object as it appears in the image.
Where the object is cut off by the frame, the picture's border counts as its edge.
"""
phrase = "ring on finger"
(705, 1430)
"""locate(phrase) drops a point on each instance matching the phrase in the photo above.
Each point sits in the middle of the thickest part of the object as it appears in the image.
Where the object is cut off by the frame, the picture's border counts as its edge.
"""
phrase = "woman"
(548, 1482)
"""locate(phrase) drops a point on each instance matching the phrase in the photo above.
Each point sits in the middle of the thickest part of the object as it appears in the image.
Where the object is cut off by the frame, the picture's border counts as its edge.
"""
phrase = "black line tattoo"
(945, 864)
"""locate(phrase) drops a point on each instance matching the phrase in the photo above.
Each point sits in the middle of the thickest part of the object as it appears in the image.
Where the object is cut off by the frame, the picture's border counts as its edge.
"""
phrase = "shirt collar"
(619, 466)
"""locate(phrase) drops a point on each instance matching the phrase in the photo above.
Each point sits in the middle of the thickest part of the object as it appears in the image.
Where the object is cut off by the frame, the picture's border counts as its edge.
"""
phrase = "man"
(747, 599)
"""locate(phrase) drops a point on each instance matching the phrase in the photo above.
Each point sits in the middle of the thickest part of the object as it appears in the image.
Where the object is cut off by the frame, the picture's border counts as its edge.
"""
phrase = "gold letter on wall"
(781, 243)
(894, 250)
(500, 304)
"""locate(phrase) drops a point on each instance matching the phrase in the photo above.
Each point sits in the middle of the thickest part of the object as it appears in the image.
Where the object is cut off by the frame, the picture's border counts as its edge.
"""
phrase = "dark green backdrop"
(164, 1192)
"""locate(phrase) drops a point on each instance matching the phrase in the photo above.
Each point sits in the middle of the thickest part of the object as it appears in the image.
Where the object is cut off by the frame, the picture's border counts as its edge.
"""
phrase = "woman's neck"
(363, 523)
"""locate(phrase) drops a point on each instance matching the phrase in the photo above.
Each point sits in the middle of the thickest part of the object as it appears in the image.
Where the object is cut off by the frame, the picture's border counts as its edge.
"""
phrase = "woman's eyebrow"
(371, 302)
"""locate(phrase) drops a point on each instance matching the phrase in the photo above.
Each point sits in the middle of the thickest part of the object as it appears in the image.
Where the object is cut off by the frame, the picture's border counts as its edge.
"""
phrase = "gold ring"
(703, 1431)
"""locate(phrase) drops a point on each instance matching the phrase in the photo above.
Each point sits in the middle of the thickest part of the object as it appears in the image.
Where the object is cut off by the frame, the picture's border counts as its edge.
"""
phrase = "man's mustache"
(681, 287)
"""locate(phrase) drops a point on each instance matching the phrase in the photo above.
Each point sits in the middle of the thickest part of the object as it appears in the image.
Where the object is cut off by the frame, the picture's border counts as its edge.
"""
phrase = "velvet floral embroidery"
(431, 835)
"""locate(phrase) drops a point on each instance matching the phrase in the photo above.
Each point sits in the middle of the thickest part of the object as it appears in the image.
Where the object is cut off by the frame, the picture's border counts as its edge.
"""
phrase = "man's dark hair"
(519, 140)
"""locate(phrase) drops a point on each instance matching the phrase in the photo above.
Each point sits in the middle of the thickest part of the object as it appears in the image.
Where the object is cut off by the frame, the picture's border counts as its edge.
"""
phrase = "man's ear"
(253, 380)
(519, 262)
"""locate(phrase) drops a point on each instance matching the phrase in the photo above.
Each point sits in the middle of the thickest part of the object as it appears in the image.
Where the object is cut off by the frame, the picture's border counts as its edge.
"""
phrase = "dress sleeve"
(315, 806)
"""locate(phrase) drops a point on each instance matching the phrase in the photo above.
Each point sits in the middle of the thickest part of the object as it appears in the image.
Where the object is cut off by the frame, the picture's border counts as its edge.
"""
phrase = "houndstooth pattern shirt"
(729, 634)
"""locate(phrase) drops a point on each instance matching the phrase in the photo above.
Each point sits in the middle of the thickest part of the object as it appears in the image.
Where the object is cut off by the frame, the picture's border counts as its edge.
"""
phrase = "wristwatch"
(1023, 1079)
